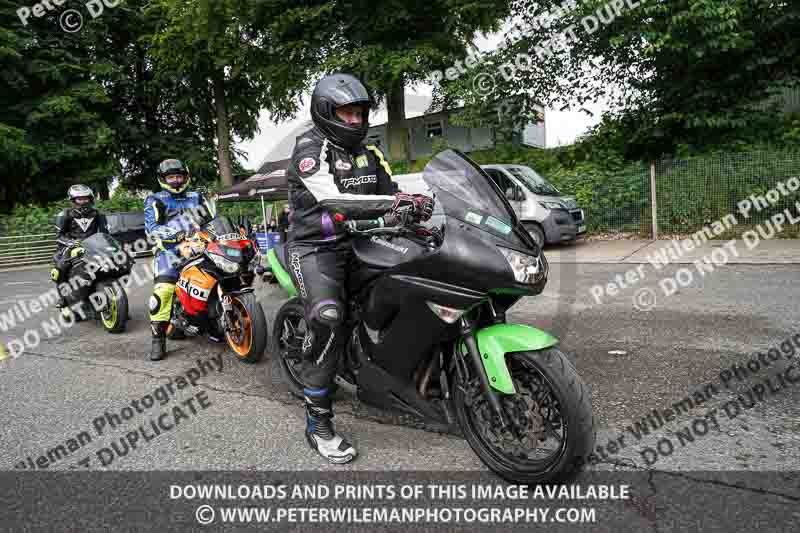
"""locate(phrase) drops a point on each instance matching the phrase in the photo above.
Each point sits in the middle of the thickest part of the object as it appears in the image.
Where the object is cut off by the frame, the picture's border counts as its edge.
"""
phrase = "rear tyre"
(552, 404)
(114, 316)
(248, 334)
(288, 332)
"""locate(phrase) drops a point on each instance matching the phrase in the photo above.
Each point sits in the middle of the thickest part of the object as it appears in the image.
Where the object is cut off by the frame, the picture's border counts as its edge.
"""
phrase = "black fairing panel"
(469, 258)
(407, 340)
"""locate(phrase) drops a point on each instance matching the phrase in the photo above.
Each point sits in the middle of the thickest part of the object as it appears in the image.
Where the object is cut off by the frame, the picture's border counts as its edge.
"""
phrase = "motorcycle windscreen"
(101, 244)
(465, 192)
(222, 229)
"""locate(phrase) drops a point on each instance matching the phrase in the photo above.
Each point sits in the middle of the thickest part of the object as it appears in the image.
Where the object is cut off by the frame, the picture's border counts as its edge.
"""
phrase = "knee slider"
(329, 313)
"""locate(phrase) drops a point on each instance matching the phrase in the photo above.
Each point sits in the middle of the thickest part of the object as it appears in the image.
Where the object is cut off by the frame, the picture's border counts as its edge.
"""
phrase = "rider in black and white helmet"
(74, 224)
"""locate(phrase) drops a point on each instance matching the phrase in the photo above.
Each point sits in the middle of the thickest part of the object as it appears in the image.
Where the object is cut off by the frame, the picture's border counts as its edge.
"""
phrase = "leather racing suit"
(164, 225)
(325, 179)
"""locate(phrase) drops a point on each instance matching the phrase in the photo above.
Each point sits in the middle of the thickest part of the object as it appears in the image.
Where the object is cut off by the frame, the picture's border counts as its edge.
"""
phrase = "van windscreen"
(533, 181)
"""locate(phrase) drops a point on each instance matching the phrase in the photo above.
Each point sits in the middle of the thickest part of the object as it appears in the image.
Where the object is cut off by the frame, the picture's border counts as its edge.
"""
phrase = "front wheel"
(114, 315)
(537, 233)
(551, 427)
(247, 334)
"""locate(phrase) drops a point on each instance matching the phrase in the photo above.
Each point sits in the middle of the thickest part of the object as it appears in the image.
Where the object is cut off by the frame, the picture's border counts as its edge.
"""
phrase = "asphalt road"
(242, 417)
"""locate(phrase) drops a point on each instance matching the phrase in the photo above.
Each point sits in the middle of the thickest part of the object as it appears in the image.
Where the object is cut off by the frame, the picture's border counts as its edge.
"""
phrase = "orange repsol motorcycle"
(215, 295)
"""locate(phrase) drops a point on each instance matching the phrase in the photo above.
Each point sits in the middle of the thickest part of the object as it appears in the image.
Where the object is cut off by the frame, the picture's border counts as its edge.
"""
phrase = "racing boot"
(158, 349)
(319, 428)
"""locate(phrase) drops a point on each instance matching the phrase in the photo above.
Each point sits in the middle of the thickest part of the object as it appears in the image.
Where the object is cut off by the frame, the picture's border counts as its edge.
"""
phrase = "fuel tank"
(375, 255)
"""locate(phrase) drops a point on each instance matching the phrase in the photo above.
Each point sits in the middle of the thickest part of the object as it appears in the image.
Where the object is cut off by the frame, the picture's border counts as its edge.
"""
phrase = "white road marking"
(23, 282)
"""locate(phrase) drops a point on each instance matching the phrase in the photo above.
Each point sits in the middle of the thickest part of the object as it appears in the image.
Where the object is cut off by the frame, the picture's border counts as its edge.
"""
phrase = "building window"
(434, 129)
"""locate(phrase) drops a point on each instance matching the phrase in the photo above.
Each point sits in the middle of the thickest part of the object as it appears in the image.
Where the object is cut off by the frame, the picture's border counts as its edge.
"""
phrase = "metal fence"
(23, 250)
(695, 193)
(677, 197)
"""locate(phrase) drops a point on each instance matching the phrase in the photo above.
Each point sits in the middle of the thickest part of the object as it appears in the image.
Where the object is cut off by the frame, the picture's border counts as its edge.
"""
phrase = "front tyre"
(114, 316)
(550, 418)
(247, 334)
(537, 233)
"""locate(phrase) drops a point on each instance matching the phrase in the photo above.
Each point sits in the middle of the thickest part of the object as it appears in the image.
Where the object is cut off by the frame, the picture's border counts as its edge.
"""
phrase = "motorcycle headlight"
(226, 265)
(527, 268)
(552, 205)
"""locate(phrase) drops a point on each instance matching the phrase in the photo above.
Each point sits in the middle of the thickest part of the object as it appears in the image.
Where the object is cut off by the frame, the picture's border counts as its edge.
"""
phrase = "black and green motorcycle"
(429, 334)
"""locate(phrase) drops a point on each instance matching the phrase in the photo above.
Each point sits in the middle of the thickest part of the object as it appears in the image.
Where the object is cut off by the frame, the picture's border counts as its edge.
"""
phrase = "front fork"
(468, 334)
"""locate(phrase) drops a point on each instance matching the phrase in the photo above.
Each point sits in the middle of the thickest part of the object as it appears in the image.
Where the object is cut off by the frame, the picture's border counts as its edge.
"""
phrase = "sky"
(561, 127)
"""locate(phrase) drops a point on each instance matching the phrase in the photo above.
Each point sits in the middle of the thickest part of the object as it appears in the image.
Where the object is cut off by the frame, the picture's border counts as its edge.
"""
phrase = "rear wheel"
(550, 417)
(289, 332)
(247, 333)
(114, 315)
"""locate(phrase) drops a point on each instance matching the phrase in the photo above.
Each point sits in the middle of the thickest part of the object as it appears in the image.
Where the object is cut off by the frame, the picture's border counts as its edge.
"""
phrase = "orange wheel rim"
(244, 326)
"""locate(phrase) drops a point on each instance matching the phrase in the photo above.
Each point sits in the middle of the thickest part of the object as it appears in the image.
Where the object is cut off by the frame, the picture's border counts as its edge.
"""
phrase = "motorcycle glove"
(421, 206)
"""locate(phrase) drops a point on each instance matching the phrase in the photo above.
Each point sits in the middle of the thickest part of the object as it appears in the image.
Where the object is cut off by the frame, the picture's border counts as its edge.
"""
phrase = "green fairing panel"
(280, 274)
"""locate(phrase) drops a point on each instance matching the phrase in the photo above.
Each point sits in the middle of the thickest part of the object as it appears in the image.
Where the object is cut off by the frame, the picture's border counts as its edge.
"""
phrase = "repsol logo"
(385, 244)
(193, 290)
(359, 180)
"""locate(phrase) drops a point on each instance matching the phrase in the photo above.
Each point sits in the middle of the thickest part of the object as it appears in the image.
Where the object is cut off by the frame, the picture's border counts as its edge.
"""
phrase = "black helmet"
(82, 198)
(334, 91)
(173, 167)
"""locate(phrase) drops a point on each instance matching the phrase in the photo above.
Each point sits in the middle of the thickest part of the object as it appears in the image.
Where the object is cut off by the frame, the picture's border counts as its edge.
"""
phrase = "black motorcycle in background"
(93, 279)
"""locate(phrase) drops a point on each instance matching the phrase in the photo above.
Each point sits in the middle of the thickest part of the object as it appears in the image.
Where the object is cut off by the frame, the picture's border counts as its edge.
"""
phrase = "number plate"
(581, 228)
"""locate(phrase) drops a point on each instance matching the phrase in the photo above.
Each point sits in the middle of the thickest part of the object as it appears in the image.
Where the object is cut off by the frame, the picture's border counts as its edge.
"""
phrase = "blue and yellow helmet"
(173, 176)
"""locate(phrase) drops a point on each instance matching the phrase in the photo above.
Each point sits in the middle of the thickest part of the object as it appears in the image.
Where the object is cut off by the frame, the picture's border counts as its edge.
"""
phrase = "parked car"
(549, 215)
(129, 228)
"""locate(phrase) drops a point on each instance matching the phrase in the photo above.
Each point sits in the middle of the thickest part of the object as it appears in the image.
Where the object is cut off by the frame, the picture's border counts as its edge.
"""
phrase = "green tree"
(51, 114)
(678, 72)
(230, 53)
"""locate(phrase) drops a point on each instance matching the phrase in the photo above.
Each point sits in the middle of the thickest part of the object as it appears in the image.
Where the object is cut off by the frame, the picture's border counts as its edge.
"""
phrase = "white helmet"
(76, 193)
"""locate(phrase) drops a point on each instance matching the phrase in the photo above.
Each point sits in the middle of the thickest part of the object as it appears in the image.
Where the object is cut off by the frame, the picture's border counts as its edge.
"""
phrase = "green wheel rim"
(111, 313)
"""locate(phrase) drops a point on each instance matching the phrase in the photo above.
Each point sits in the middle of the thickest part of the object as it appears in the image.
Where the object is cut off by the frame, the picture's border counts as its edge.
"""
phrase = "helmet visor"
(82, 200)
(353, 114)
(175, 180)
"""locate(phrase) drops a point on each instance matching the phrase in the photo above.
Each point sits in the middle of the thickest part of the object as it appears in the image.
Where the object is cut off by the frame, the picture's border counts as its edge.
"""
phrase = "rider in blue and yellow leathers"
(166, 227)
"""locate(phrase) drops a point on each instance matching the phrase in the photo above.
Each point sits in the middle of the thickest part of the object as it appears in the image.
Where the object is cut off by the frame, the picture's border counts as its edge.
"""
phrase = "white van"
(548, 215)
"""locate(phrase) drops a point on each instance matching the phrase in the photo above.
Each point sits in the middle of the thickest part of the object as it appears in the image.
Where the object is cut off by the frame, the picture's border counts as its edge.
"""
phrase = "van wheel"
(537, 233)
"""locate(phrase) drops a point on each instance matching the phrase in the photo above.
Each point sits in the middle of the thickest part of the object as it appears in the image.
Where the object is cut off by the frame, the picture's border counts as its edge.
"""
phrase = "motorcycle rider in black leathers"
(334, 178)
(75, 224)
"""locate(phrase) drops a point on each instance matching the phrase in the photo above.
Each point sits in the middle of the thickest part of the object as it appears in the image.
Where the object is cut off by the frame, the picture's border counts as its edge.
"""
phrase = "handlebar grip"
(362, 225)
